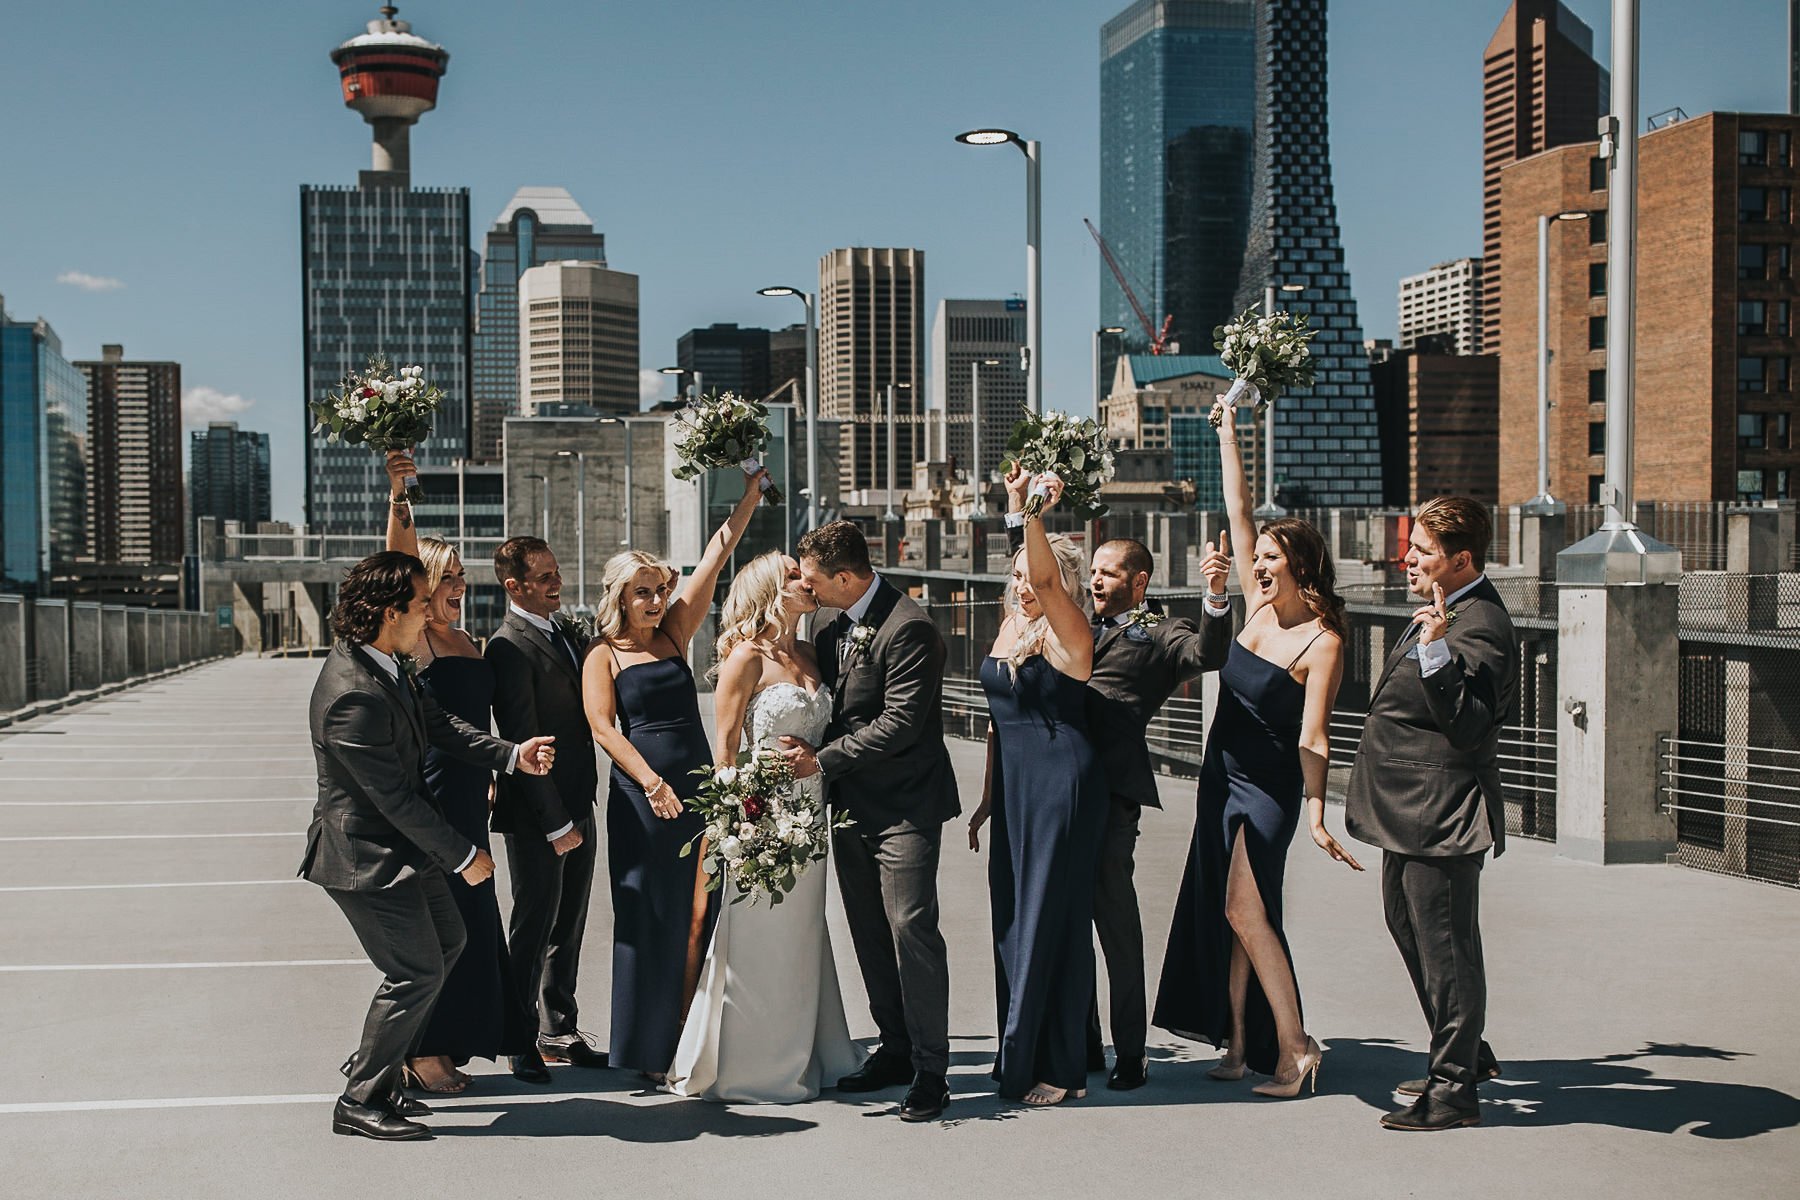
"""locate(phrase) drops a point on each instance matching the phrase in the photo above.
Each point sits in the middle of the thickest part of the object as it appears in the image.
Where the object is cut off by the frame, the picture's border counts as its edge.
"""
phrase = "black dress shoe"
(529, 1068)
(1427, 1115)
(402, 1105)
(880, 1071)
(576, 1052)
(363, 1120)
(1130, 1074)
(1416, 1087)
(926, 1098)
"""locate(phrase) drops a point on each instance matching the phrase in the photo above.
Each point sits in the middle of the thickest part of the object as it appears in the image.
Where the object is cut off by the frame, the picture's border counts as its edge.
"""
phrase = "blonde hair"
(754, 607)
(615, 577)
(437, 555)
(1070, 566)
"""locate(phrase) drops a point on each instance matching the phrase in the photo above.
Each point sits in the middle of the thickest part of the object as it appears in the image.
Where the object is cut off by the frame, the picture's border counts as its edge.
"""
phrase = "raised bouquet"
(761, 831)
(1073, 448)
(1268, 355)
(382, 410)
(724, 430)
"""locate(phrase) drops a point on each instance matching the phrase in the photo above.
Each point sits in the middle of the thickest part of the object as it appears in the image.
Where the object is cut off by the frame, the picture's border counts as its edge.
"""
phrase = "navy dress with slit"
(1250, 784)
(1048, 813)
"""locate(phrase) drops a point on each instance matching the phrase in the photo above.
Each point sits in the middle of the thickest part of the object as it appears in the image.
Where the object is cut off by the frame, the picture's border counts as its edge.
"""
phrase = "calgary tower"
(390, 76)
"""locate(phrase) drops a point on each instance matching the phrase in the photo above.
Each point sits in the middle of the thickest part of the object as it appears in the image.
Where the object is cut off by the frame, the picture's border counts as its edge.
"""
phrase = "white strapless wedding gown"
(767, 1024)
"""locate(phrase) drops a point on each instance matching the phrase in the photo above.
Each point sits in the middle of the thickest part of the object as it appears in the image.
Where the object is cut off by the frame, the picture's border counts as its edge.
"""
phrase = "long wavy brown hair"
(1314, 573)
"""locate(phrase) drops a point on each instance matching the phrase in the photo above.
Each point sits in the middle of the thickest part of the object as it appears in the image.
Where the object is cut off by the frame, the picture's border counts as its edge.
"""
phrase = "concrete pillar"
(137, 642)
(931, 534)
(1168, 543)
(893, 533)
(1754, 553)
(156, 645)
(84, 647)
(14, 681)
(115, 657)
(987, 546)
(50, 640)
(247, 616)
(1617, 689)
(1542, 536)
(313, 607)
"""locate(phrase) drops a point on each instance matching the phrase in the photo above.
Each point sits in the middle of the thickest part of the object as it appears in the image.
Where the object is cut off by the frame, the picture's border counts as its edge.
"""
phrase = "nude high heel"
(1307, 1070)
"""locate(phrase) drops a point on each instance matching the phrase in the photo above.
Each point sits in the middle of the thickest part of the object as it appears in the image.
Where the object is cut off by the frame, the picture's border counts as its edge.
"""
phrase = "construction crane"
(1159, 338)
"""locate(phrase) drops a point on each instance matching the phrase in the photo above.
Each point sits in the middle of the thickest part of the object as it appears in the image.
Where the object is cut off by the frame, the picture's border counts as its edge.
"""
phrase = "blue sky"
(720, 146)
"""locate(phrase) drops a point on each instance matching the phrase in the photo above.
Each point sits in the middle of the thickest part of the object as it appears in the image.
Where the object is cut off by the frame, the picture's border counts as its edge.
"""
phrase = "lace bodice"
(788, 710)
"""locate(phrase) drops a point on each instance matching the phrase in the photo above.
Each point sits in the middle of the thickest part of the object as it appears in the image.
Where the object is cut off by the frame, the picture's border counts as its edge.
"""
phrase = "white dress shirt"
(856, 612)
(548, 628)
(1435, 656)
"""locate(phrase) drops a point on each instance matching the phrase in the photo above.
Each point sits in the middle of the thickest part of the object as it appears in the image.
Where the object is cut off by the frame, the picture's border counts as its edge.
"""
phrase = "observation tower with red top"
(390, 76)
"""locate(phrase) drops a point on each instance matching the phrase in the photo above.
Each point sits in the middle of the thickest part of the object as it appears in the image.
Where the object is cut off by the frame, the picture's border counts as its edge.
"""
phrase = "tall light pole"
(975, 472)
(1034, 282)
(1269, 510)
(1108, 331)
(1544, 504)
(812, 396)
(699, 480)
(545, 483)
(891, 515)
(580, 458)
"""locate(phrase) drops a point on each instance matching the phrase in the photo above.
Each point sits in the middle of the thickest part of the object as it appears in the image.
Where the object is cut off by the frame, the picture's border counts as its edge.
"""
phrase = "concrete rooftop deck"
(173, 1005)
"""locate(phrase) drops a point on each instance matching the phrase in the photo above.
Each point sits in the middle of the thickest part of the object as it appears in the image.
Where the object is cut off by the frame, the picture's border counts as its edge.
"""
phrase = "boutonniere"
(409, 666)
(1140, 621)
(861, 637)
(581, 626)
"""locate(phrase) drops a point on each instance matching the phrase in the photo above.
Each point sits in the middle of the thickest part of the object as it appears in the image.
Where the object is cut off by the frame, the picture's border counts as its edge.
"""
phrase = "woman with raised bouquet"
(1267, 354)
(1071, 449)
(767, 1023)
(724, 430)
(387, 412)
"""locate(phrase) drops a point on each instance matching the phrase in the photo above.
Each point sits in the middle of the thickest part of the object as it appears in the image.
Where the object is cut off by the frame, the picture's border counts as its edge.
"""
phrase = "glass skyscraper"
(385, 269)
(1177, 122)
(539, 225)
(1327, 448)
(43, 451)
(228, 474)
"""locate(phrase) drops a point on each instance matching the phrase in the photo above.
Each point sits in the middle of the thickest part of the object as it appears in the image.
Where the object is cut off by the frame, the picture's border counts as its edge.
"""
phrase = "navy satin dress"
(1047, 817)
(1250, 782)
(476, 1014)
(652, 885)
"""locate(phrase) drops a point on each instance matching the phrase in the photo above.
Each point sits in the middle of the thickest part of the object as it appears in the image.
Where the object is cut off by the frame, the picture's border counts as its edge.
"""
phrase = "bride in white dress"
(767, 1022)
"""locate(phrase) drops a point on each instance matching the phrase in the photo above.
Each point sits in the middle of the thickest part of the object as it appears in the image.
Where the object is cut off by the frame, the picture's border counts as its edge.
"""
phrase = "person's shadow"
(1623, 1090)
(590, 1116)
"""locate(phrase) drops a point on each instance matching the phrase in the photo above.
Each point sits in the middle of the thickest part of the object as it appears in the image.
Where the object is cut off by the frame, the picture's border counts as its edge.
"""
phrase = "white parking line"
(184, 800)
(144, 837)
(111, 887)
(72, 777)
(64, 1106)
(22, 968)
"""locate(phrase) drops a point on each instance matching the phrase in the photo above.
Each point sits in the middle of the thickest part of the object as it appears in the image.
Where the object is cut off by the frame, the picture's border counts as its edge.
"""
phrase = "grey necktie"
(845, 625)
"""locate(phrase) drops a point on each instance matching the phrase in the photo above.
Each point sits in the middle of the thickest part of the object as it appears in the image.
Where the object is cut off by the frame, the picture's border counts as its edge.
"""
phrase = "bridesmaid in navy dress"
(644, 709)
(476, 1015)
(1228, 977)
(1047, 799)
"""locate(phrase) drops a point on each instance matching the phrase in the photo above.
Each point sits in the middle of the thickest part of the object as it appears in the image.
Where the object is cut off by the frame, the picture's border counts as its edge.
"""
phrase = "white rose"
(731, 850)
(726, 776)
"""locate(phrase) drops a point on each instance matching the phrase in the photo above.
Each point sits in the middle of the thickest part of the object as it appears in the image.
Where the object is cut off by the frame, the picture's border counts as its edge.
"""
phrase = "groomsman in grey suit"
(377, 843)
(1426, 789)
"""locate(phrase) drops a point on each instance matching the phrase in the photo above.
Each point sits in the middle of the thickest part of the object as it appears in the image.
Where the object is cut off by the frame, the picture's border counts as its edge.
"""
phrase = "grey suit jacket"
(537, 693)
(375, 821)
(885, 761)
(1136, 670)
(1427, 775)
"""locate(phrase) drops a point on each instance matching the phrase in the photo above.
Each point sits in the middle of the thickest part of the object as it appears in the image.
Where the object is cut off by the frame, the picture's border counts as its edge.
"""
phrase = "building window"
(1753, 204)
(1778, 319)
(1597, 386)
(1777, 377)
(1595, 483)
(1596, 174)
(1750, 485)
(1596, 224)
(1752, 431)
(1751, 374)
(1596, 437)
(1753, 147)
(1596, 333)
(1753, 317)
(1597, 279)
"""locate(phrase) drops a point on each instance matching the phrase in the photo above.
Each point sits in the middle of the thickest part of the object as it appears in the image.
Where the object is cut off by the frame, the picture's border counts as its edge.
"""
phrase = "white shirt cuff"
(473, 851)
(1015, 520)
(1218, 606)
(551, 837)
(1433, 656)
(512, 760)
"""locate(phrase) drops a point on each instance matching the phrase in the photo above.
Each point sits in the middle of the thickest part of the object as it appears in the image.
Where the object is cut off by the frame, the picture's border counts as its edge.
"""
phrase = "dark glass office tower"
(228, 474)
(1327, 447)
(729, 359)
(1177, 122)
(43, 455)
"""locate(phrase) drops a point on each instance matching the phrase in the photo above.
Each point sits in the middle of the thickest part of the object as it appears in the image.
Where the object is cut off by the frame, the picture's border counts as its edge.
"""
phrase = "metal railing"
(1736, 808)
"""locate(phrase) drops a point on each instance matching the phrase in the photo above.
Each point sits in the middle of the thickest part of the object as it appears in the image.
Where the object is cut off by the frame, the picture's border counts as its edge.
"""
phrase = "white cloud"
(90, 283)
(202, 404)
(654, 385)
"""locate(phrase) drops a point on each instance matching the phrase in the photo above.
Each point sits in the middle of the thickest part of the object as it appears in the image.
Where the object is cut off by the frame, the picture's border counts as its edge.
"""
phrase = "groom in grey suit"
(1426, 789)
(886, 764)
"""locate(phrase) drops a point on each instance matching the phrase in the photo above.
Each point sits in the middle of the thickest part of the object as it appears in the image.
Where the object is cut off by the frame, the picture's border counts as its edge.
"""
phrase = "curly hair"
(371, 587)
(1314, 572)
(836, 546)
(1070, 569)
(754, 607)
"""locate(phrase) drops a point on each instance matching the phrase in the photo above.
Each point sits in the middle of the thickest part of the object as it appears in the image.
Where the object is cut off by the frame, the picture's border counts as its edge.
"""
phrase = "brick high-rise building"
(1444, 301)
(1540, 88)
(1439, 425)
(871, 313)
(1715, 392)
(135, 509)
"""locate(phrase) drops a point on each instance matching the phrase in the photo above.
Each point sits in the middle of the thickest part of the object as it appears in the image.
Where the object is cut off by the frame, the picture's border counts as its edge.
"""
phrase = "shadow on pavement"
(587, 1116)
(1623, 1090)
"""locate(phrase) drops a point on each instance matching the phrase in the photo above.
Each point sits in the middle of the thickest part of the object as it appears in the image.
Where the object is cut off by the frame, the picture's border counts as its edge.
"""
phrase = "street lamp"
(812, 397)
(699, 480)
(980, 508)
(1269, 510)
(1544, 504)
(546, 495)
(680, 371)
(580, 457)
(1108, 331)
(1034, 284)
(891, 515)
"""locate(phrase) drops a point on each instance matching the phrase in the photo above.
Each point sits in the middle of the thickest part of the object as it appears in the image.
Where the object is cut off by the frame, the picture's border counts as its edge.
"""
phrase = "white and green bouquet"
(384, 410)
(762, 831)
(1073, 448)
(1268, 354)
(724, 430)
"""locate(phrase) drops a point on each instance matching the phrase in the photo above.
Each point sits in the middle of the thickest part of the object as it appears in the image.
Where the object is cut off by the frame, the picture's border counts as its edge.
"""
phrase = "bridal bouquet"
(1073, 448)
(381, 410)
(724, 430)
(1267, 354)
(761, 830)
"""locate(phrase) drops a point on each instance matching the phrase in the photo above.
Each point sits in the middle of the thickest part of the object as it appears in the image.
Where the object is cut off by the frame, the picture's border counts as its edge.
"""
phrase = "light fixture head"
(778, 291)
(1293, 287)
(990, 362)
(1574, 214)
(1113, 330)
(987, 137)
(671, 371)
(565, 454)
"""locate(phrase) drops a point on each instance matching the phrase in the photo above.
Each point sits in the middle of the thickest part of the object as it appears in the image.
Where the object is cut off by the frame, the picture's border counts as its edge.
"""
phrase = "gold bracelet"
(1227, 441)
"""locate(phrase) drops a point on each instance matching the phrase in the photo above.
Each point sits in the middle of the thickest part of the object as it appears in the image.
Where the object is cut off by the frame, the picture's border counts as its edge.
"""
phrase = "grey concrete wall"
(137, 643)
(115, 658)
(50, 638)
(158, 640)
(14, 687)
(84, 646)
